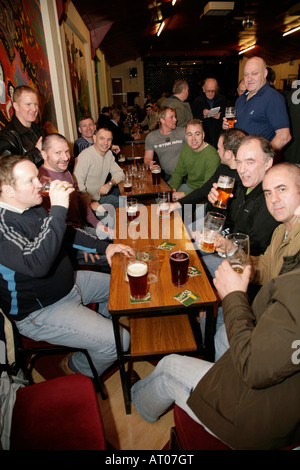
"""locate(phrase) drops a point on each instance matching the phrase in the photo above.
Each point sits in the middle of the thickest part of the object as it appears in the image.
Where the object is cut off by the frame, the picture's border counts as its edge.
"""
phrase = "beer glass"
(230, 115)
(213, 225)
(156, 175)
(128, 183)
(225, 187)
(237, 251)
(137, 272)
(150, 255)
(121, 160)
(131, 209)
(163, 203)
(179, 262)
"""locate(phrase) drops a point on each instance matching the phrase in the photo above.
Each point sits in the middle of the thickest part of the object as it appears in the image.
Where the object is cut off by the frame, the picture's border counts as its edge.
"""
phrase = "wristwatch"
(110, 183)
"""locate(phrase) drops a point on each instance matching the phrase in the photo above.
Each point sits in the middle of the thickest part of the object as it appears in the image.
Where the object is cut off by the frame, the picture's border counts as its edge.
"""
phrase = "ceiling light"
(161, 27)
(173, 2)
(218, 8)
(247, 49)
(291, 31)
(248, 22)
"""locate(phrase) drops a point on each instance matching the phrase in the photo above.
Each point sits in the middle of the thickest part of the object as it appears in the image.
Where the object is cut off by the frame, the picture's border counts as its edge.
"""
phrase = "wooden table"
(152, 230)
(149, 191)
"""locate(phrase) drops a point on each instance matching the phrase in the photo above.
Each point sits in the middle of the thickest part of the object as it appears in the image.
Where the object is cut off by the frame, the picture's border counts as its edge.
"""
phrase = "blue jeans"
(221, 342)
(212, 262)
(68, 322)
(172, 381)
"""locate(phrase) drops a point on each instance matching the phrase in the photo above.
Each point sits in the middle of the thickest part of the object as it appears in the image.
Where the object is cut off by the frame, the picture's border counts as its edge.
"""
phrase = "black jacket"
(249, 214)
(212, 127)
(16, 139)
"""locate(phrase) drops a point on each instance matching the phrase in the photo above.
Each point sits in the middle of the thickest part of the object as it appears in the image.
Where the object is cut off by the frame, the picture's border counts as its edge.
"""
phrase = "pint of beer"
(179, 262)
(127, 186)
(230, 115)
(156, 175)
(132, 209)
(225, 187)
(163, 203)
(213, 225)
(137, 272)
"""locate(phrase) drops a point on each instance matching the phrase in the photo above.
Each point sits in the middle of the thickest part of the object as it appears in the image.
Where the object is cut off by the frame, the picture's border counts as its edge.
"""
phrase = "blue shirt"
(264, 113)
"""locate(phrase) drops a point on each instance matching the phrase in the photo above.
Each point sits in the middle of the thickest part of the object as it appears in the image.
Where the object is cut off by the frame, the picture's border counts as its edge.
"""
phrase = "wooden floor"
(129, 432)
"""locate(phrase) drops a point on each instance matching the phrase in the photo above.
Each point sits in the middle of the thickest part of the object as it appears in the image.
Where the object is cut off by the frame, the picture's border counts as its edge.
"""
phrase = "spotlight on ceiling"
(248, 22)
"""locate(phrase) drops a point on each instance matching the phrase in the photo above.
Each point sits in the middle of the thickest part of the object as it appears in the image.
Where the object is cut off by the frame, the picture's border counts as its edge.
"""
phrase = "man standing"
(166, 142)
(177, 102)
(198, 161)
(202, 105)
(22, 136)
(92, 168)
(87, 128)
(38, 286)
(261, 109)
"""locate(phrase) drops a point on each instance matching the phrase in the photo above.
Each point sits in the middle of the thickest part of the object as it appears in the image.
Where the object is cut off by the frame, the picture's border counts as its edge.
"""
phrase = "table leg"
(126, 392)
(209, 349)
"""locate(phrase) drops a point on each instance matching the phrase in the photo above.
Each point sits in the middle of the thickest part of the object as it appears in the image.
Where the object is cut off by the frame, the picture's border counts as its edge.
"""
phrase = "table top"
(149, 191)
(151, 229)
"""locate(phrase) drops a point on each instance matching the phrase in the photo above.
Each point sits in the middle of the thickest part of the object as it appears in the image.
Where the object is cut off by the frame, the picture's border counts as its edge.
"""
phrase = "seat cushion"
(192, 435)
(59, 414)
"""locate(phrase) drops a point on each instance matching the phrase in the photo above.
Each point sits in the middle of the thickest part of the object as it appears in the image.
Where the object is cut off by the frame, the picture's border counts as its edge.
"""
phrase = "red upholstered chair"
(189, 435)
(58, 414)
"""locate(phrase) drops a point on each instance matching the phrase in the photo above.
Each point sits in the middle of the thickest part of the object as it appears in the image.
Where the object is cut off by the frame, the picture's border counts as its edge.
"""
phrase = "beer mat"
(139, 301)
(166, 246)
(187, 297)
(134, 221)
(193, 271)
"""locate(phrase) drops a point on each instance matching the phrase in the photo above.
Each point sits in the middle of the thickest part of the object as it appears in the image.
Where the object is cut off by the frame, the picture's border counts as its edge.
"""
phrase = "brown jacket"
(250, 397)
(268, 265)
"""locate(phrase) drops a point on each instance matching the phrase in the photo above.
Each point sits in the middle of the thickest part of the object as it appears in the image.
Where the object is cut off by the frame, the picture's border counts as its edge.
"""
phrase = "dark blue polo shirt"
(264, 113)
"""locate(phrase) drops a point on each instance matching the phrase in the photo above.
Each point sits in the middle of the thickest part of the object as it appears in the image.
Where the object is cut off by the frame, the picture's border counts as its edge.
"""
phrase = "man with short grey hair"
(177, 101)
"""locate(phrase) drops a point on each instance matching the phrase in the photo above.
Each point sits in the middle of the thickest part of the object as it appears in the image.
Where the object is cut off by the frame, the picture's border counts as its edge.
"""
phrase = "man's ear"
(8, 191)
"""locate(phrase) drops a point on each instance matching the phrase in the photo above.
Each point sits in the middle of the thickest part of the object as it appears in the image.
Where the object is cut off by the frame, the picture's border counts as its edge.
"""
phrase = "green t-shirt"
(197, 166)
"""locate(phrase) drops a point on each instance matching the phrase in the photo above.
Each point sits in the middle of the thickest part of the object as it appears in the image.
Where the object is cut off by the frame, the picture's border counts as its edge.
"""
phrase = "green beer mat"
(187, 297)
(139, 301)
(166, 246)
(193, 271)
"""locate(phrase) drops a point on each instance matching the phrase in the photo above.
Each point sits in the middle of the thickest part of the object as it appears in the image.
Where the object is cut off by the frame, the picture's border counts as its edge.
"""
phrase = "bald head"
(281, 186)
(255, 74)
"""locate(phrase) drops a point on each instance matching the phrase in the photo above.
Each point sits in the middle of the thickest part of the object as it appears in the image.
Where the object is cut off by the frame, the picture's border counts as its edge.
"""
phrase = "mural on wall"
(23, 59)
(78, 73)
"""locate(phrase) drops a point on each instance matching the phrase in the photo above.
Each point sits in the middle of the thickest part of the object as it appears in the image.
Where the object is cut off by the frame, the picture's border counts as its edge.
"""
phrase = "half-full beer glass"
(225, 187)
(213, 225)
(131, 209)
